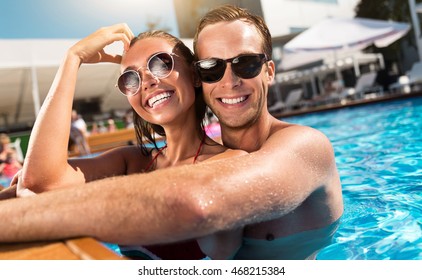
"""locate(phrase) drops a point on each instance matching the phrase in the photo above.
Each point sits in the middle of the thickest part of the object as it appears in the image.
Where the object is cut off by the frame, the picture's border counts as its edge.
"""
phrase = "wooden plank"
(101, 142)
(73, 249)
(36, 251)
(104, 141)
(90, 249)
(85, 248)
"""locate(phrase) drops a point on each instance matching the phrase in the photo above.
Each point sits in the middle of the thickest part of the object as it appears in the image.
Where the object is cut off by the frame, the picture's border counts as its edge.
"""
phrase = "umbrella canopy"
(339, 36)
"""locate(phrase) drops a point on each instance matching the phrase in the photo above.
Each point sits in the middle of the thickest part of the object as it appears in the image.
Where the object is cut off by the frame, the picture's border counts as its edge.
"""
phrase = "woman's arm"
(6, 193)
(46, 166)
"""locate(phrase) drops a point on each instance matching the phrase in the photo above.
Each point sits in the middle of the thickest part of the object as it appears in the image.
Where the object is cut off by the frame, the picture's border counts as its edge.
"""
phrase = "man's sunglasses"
(245, 66)
(159, 65)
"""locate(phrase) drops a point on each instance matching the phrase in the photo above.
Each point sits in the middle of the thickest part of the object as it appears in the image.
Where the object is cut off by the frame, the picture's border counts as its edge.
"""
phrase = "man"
(285, 192)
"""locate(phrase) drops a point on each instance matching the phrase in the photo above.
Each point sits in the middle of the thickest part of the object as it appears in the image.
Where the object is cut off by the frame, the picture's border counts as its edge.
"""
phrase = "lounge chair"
(415, 74)
(366, 84)
(278, 106)
(410, 81)
(292, 100)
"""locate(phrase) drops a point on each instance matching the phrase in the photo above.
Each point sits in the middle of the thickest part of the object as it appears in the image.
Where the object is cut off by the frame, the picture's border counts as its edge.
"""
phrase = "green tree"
(396, 10)
(375, 9)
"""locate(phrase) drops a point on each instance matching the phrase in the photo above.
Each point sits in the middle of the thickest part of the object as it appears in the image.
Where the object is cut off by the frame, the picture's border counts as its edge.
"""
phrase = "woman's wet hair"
(145, 131)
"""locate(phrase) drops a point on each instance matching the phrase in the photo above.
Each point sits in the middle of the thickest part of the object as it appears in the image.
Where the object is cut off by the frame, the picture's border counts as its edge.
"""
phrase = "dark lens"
(211, 70)
(248, 66)
(160, 65)
(128, 82)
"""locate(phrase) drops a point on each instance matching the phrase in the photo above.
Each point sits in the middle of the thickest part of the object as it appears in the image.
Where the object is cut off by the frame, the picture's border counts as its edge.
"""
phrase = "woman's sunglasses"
(159, 65)
(245, 66)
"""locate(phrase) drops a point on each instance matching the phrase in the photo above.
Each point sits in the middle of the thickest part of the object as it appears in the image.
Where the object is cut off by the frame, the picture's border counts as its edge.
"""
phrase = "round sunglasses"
(160, 65)
(245, 66)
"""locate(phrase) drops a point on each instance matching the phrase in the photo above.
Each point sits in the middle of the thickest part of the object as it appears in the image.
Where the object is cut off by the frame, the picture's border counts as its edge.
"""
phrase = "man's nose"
(230, 79)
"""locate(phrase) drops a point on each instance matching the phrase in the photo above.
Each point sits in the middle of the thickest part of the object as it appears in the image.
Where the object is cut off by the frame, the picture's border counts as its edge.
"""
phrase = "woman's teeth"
(158, 99)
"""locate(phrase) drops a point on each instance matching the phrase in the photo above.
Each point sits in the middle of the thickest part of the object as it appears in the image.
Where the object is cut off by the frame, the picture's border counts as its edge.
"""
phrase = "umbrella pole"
(35, 91)
(416, 28)
(339, 76)
(356, 66)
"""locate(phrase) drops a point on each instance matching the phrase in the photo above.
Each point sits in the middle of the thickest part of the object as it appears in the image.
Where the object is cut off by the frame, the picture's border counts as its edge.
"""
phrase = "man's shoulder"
(285, 129)
(300, 138)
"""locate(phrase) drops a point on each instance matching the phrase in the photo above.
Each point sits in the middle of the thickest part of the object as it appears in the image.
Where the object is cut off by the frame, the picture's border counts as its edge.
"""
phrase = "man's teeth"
(158, 99)
(233, 100)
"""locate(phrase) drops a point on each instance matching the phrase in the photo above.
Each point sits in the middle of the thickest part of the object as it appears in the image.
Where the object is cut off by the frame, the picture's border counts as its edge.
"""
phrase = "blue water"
(378, 151)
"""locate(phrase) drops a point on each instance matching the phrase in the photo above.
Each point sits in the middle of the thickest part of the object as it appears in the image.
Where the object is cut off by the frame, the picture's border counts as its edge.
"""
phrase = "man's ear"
(270, 71)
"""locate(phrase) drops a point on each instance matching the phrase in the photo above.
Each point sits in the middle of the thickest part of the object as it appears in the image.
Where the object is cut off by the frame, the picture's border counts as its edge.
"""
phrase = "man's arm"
(182, 202)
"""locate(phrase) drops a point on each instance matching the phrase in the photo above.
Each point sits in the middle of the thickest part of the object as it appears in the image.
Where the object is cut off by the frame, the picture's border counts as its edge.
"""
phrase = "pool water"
(378, 151)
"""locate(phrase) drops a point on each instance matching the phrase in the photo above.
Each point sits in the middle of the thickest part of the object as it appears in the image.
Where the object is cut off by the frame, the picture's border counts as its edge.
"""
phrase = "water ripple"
(378, 155)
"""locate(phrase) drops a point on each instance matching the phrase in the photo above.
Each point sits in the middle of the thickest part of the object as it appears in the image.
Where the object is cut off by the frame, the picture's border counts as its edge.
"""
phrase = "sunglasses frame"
(149, 70)
(263, 59)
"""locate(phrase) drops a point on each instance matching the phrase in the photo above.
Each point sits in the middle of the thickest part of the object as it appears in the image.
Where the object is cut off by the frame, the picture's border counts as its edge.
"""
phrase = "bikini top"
(165, 146)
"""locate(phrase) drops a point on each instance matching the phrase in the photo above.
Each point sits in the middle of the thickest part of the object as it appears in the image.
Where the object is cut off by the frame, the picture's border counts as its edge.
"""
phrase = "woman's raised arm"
(46, 166)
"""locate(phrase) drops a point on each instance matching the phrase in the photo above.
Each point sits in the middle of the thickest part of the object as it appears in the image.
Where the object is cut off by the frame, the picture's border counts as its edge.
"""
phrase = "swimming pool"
(378, 150)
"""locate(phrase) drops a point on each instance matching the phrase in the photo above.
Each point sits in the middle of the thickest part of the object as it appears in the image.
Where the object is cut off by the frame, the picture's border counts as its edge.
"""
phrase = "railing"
(107, 140)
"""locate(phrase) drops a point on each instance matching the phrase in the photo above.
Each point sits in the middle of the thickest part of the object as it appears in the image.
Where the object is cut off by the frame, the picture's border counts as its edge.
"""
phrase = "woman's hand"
(15, 178)
(16, 182)
(91, 48)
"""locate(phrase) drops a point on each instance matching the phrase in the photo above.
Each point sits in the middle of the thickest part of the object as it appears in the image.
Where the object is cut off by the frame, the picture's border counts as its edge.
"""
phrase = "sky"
(57, 19)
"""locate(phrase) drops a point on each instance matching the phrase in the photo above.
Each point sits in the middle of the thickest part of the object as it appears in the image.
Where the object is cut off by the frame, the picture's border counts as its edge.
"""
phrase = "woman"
(158, 81)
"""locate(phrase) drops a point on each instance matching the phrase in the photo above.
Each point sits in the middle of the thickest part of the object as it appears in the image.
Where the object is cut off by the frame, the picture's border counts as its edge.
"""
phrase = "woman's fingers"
(123, 28)
(91, 48)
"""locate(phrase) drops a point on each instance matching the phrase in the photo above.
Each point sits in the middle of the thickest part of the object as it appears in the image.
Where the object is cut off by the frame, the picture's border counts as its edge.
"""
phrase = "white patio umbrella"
(338, 37)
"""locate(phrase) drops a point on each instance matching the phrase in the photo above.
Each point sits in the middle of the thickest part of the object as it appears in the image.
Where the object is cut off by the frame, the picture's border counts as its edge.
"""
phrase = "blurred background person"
(78, 135)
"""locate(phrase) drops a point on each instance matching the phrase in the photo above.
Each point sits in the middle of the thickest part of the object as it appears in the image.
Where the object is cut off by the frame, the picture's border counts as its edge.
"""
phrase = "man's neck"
(249, 138)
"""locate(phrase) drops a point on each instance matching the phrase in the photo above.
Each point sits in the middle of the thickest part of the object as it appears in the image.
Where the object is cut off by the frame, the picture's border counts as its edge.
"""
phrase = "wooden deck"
(72, 249)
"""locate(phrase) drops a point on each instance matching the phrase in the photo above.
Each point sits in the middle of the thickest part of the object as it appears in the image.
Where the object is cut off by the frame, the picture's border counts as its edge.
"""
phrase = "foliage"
(396, 10)
(375, 9)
